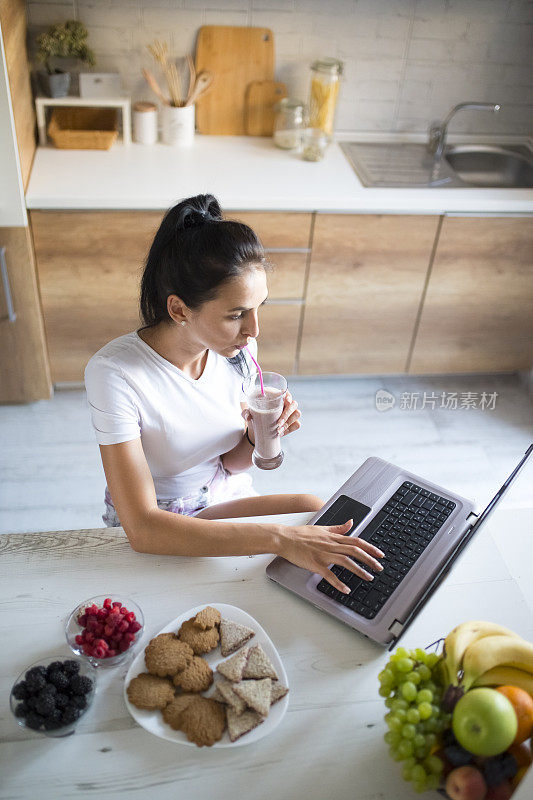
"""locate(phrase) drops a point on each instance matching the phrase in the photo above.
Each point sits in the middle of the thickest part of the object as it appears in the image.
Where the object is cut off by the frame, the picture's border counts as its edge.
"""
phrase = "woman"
(167, 406)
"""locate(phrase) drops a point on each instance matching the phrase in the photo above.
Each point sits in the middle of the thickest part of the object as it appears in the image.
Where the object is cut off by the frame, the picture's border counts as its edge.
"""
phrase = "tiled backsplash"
(406, 61)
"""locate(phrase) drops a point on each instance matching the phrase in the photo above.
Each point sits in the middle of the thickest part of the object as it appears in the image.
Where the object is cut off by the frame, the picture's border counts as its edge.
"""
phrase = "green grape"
(396, 754)
(385, 690)
(425, 672)
(425, 710)
(421, 752)
(408, 731)
(420, 655)
(424, 696)
(405, 665)
(420, 788)
(389, 701)
(432, 659)
(433, 782)
(409, 691)
(419, 774)
(414, 677)
(431, 739)
(406, 748)
(413, 715)
(433, 726)
(399, 704)
(433, 764)
(393, 738)
(394, 722)
(401, 713)
(401, 652)
(419, 740)
(431, 686)
(386, 676)
(406, 772)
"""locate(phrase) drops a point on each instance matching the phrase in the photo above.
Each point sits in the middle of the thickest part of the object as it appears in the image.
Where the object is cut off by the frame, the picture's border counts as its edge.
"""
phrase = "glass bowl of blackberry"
(105, 629)
(52, 695)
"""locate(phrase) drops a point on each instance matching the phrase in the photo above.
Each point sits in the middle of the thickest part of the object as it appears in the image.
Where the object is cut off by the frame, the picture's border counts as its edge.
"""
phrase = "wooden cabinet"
(477, 314)
(365, 285)
(90, 264)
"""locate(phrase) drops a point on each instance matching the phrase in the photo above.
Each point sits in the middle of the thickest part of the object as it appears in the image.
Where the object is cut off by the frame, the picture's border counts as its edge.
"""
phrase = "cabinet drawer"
(277, 229)
(286, 281)
(278, 336)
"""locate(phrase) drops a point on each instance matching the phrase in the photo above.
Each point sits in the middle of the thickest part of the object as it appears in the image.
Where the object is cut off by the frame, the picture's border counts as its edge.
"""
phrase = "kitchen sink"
(491, 166)
(462, 166)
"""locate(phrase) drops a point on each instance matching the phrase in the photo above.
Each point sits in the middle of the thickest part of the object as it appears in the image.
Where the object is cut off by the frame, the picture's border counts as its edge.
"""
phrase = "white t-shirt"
(185, 425)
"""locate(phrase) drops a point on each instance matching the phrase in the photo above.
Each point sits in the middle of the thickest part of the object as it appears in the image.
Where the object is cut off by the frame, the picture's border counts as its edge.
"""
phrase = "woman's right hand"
(315, 547)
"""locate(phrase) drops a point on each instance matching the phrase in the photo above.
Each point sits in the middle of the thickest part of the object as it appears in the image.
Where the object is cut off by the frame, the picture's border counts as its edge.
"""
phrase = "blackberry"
(31, 701)
(49, 689)
(35, 681)
(54, 667)
(40, 670)
(70, 714)
(500, 768)
(457, 755)
(79, 701)
(80, 684)
(53, 720)
(45, 704)
(59, 680)
(62, 700)
(20, 691)
(34, 721)
(71, 667)
(22, 710)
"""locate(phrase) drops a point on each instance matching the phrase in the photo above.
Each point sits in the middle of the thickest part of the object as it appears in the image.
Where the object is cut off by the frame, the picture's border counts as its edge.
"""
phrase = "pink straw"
(258, 369)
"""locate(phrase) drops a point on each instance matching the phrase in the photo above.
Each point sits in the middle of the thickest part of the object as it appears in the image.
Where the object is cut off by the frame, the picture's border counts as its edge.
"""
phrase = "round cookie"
(200, 641)
(197, 677)
(203, 721)
(172, 713)
(150, 692)
(166, 655)
(208, 617)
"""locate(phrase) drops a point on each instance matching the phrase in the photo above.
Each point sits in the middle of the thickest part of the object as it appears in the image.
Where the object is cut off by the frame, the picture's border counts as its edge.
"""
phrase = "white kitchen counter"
(243, 173)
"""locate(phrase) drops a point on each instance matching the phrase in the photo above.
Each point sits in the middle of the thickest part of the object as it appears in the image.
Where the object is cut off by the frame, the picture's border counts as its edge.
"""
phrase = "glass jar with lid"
(325, 77)
(289, 123)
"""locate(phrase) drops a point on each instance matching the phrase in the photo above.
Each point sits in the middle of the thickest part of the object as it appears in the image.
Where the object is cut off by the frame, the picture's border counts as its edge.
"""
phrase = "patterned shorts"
(222, 487)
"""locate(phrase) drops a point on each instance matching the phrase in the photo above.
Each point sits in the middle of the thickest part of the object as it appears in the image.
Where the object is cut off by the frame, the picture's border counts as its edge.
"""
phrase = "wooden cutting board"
(261, 97)
(236, 57)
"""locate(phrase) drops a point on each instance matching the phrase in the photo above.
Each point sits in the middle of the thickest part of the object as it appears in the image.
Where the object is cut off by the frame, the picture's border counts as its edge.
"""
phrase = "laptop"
(421, 527)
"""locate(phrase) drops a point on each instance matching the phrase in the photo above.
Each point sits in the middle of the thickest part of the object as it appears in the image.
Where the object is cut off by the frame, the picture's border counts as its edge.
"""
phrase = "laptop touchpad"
(343, 509)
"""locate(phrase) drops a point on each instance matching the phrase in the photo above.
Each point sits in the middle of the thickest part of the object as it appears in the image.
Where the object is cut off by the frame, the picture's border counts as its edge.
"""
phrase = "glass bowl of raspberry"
(105, 629)
(52, 695)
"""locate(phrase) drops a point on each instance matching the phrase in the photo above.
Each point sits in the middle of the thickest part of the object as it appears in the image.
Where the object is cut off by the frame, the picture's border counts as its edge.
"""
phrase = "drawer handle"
(11, 315)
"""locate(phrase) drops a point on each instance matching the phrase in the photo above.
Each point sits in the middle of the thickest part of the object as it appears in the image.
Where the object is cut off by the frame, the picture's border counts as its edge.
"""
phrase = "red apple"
(466, 783)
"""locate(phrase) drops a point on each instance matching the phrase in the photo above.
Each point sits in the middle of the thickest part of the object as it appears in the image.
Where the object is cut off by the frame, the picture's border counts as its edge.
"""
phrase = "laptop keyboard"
(403, 529)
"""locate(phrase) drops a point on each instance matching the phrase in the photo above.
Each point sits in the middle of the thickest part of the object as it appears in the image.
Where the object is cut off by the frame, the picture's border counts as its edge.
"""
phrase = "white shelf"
(121, 102)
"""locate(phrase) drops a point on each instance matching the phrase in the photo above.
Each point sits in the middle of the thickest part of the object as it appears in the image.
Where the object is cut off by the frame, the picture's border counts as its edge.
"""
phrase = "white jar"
(145, 123)
(177, 125)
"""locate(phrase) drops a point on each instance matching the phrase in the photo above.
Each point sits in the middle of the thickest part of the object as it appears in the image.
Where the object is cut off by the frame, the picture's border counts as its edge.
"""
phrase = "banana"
(506, 676)
(461, 637)
(495, 651)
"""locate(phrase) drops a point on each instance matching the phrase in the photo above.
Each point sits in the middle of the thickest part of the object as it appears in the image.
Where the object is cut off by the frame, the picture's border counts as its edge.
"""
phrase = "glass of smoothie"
(265, 410)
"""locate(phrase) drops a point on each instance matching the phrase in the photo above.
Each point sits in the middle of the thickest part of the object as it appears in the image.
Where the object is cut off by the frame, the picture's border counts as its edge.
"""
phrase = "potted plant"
(64, 40)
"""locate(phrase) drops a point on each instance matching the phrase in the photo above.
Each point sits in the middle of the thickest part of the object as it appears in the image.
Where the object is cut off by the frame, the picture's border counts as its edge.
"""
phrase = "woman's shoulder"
(113, 356)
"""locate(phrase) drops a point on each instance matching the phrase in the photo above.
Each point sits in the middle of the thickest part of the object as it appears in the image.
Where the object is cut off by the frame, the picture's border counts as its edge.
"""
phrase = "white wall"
(407, 61)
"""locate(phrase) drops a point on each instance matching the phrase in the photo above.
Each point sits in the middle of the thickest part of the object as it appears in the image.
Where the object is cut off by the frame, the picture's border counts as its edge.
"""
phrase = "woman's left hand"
(289, 420)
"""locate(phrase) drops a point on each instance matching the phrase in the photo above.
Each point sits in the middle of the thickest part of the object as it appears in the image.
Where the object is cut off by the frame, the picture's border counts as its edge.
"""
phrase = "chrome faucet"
(439, 130)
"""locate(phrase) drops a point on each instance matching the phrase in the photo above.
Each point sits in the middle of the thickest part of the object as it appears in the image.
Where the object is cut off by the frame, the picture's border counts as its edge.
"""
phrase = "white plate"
(152, 721)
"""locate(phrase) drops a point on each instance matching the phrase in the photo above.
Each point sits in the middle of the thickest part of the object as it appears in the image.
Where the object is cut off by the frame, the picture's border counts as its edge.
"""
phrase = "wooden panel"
(366, 279)
(277, 229)
(277, 338)
(478, 311)
(235, 56)
(13, 21)
(286, 280)
(261, 97)
(24, 370)
(89, 265)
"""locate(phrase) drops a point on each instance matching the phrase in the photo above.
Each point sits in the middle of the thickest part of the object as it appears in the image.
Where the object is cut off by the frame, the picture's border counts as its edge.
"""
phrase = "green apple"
(483, 724)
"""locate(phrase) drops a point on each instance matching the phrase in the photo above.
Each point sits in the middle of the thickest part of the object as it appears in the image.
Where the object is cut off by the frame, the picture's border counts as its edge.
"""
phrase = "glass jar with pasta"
(325, 76)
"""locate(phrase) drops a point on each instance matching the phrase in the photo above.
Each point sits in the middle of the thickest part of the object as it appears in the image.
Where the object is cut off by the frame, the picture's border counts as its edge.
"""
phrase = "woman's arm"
(240, 458)
(152, 530)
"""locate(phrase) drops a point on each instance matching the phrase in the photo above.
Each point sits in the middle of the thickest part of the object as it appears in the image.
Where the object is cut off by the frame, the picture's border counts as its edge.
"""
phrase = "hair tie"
(194, 219)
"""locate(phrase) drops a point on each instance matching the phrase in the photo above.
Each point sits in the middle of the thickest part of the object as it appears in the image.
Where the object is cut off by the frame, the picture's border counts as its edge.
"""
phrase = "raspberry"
(128, 637)
(111, 653)
(107, 603)
(123, 646)
(82, 620)
(134, 626)
(123, 626)
(130, 616)
(20, 691)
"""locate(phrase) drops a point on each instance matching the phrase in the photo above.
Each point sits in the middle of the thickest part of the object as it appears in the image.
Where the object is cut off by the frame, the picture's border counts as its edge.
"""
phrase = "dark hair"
(193, 253)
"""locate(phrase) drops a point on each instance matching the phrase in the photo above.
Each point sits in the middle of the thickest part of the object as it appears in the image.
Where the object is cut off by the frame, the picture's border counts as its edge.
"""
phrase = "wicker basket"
(83, 128)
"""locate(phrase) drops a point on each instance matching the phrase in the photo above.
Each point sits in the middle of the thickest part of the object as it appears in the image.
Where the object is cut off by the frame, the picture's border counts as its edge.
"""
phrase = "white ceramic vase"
(177, 125)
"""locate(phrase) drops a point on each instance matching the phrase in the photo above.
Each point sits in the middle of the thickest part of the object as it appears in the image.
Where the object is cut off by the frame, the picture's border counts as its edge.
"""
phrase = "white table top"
(330, 741)
(244, 173)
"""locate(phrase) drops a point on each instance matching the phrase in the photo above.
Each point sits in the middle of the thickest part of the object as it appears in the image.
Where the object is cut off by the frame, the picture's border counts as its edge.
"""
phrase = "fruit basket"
(83, 128)
(460, 722)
